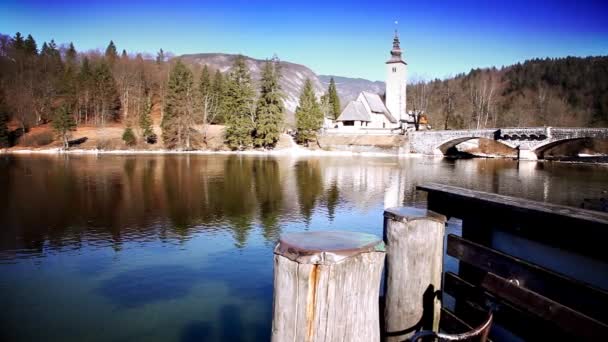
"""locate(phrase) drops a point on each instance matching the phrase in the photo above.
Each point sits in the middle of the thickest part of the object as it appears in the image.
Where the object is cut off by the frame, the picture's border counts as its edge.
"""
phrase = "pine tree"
(129, 137)
(269, 109)
(219, 92)
(309, 117)
(124, 55)
(71, 55)
(17, 42)
(53, 52)
(69, 80)
(64, 124)
(205, 85)
(29, 46)
(111, 52)
(179, 108)
(108, 100)
(85, 68)
(51, 60)
(45, 49)
(239, 104)
(334, 100)
(325, 106)
(145, 121)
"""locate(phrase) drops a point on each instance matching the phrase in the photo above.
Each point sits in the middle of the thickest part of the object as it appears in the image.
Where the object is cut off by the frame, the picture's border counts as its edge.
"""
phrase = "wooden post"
(414, 264)
(326, 287)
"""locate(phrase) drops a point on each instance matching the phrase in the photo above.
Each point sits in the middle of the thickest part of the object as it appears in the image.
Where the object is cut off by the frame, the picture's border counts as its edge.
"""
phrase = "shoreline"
(282, 152)
(294, 152)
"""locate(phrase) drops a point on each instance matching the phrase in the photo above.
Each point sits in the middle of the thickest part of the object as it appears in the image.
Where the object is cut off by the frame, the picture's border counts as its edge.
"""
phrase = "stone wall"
(390, 143)
(429, 142)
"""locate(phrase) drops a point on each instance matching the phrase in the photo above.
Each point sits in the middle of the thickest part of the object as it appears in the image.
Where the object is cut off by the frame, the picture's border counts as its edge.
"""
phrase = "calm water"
(179, 248)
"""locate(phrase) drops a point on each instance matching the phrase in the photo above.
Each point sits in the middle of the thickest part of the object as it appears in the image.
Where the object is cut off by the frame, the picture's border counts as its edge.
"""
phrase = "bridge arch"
(446, 145)
(540, 150)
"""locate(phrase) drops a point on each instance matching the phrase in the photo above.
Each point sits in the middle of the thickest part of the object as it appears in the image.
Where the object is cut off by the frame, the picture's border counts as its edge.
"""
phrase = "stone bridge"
(531, 142)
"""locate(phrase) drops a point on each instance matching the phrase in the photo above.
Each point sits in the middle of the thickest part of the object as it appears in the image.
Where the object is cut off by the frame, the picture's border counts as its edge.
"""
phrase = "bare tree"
(209, 110)
(482, 87)
(420, 94)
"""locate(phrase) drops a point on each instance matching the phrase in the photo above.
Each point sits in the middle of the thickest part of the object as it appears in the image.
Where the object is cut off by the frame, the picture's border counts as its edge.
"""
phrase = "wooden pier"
(497, 287)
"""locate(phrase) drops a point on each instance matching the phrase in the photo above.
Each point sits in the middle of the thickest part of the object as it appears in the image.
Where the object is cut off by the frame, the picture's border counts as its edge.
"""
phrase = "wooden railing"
(529, 300)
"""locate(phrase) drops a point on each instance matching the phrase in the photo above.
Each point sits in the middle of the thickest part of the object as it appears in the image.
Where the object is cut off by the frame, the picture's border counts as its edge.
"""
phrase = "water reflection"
(51, 203)
(142, 286)
(269, 194)
(309, 184)
(179, 248)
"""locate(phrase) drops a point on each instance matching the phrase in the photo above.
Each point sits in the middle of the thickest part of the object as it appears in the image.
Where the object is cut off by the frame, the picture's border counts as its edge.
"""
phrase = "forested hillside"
(145, 94)
(174, 98)
(98, 87)
(568, 91)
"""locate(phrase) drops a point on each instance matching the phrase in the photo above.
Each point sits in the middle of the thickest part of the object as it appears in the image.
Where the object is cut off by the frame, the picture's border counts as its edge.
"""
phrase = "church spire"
(396, 51)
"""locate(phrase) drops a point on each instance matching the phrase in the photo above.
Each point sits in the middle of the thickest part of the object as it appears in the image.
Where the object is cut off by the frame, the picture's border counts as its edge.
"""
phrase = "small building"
(414, 118)
(368, 110)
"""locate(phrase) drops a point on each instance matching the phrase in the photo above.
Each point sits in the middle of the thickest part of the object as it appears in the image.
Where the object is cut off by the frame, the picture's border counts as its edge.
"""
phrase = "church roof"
(354, 111)
(377, 105)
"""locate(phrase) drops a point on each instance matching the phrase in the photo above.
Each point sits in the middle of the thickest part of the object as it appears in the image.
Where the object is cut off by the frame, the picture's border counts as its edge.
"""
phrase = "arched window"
(394, 69)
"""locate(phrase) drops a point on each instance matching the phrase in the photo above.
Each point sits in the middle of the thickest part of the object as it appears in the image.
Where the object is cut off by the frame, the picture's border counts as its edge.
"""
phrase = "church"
(369, 111)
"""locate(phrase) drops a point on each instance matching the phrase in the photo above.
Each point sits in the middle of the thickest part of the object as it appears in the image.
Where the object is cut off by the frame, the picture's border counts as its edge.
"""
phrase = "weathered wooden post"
(414, 262)
(326, 287)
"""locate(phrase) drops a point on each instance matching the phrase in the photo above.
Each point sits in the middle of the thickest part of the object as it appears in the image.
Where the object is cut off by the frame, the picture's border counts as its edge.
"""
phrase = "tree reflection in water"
(55, 202)
(309, 185)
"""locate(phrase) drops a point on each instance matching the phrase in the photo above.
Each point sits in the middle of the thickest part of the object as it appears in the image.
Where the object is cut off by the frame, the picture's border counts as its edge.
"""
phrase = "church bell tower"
(396, 79)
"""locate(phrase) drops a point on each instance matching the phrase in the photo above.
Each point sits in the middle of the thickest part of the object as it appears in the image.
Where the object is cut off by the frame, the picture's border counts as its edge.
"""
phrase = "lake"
(179, 247)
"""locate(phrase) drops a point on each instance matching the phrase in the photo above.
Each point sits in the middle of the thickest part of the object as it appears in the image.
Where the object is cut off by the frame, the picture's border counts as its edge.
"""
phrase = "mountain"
(349, 88)
(292, 81)
(293, 78)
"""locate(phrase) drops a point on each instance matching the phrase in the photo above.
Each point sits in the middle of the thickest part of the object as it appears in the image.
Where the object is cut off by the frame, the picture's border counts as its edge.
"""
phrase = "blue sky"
(346, 38)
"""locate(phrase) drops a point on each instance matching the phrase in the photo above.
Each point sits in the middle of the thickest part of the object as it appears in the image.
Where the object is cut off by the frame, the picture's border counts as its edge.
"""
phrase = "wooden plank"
(548, 223)
(506, 315)
(474, 230)
(518, 204)
(564, 317)
(570, 292)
